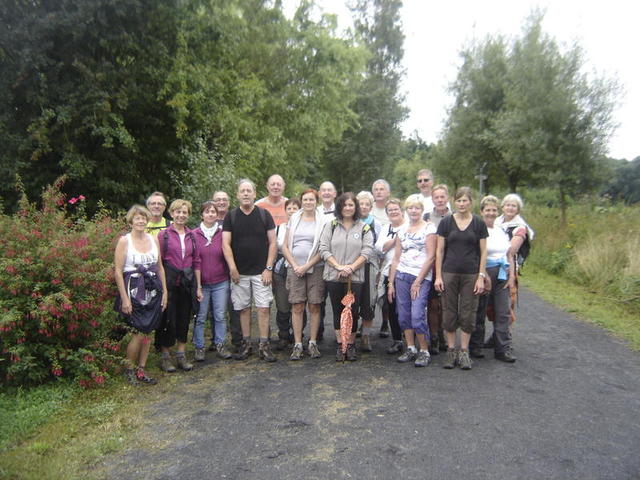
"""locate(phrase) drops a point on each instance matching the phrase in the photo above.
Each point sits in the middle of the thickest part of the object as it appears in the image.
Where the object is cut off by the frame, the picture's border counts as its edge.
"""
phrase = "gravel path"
(568, 408)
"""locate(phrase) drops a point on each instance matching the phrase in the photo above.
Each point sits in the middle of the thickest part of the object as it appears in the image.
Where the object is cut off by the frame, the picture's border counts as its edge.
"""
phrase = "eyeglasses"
(424, 180)
(162, 204)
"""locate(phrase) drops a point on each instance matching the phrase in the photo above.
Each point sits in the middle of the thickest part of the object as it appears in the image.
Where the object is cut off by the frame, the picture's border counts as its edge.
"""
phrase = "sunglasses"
(424, 180)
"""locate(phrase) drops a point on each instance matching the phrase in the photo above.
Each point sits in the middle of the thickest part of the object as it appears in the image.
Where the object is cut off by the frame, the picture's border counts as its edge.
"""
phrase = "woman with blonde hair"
(142, 290)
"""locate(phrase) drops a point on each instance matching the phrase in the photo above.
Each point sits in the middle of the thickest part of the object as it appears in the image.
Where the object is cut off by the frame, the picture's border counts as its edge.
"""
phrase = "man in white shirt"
(328, 194)
(424, 179)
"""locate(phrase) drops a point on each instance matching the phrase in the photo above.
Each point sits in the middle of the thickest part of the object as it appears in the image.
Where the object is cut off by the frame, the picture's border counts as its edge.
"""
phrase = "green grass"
(615, 316)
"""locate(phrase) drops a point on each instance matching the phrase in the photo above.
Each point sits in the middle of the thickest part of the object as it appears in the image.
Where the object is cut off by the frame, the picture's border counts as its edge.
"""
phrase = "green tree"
(371, 144)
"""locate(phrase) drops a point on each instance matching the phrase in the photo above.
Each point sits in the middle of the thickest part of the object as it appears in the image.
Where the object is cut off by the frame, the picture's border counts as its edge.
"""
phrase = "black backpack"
(525, 248)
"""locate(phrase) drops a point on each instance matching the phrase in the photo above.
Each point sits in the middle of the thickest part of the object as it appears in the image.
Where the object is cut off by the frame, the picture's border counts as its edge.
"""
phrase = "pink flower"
(80, 197)
(57, 371)
(73, 200)
(99, 379)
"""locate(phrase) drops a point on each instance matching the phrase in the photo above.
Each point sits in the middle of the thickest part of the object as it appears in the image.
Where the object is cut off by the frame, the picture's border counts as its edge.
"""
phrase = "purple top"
(213, 267)
(172, 251)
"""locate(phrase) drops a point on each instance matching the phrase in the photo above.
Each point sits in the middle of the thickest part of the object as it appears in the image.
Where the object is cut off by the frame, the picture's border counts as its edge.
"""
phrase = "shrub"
(56, 292)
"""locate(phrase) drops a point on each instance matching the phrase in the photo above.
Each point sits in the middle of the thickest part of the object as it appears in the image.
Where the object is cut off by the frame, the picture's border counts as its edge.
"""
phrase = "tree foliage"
(528, 111)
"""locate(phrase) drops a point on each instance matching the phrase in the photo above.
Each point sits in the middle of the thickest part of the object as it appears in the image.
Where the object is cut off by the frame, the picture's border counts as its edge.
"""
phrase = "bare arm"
(483, 282)
(391, 291)
(228, 256)
(267, 275)
(440, 244)
(119, 258)
(430, 249)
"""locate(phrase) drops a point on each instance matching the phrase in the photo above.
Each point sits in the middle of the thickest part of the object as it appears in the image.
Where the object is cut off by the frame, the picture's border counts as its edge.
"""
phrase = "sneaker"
(283, 344)
(464, 360)
(213, 347)
(365, 343)
(340, 357)
(296, 353)
(352, 354)
(244, 350)
(506, 357)
(131, 377)
(476, 353)
(422, 359)
(199, 356)
(223, 351)
(384, 333)
(314, 352)
(142, 377)
(181, 360)
(451, 360)
(396, 347)
(408, 356)
(166, 365)
(265, 352)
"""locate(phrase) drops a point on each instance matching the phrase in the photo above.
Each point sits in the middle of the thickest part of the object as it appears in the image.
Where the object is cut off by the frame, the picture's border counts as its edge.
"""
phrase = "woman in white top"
(304, 271)
(501, 273)
(142, 290)
(410, 280)
(385, 246)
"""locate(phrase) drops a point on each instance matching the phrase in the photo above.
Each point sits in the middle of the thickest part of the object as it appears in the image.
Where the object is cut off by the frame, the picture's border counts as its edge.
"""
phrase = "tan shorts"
(250, 286)
(309, 288)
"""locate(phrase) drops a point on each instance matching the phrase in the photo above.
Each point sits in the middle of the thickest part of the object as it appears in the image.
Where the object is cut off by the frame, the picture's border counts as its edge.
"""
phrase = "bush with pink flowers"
(57, 292)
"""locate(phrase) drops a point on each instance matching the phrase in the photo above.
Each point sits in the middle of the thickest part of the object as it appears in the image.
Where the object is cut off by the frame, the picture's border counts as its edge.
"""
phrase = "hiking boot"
(244, 350)
(265, 352)
(365, 343)
(283, 344)
(296, 353)
(422, 359)
(505, 357)
(166, 365)
(340, 357)
(181, 360)
(314, 352)
(395, 348)
(212, 347)
(143, 379)
(408, 356)
(451, 360)
(223, 351)
(199, 356)
(433, 345)
(131, 377)
(476, 353)
(352, 354)
(464, 360)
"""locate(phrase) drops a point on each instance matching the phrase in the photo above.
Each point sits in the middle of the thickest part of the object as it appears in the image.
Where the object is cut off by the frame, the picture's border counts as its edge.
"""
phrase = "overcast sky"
(436, 31)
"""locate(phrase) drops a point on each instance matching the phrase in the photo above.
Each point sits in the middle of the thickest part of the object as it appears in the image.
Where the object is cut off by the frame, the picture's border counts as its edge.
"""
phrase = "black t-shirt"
(249, 240)
(462, 247)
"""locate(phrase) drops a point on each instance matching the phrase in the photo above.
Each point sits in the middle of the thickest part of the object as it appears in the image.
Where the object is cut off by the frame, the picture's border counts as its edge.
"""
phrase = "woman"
(460, 274)
(142, 290)
(365, 202)
(501, 272)
(385, 246)
(304, 270)
(178, 247)
(212, 280)
(410, 280)
(346, 243)
(280, 289)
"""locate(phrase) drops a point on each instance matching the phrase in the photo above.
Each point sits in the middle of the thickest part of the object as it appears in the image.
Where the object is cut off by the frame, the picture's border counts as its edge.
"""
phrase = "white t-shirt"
(497, 243)
(380, 214)
(414, 253)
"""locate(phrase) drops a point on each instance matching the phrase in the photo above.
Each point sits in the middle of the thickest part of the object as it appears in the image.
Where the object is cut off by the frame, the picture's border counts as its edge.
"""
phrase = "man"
(156, 204)
(424, 179)
(249, 246)
(381, 192)
(440, 201)
(328, 194)
(221, 201)
(274, 201)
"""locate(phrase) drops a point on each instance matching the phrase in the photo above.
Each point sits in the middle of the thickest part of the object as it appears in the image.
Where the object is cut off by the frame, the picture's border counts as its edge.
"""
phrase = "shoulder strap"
(165, 242)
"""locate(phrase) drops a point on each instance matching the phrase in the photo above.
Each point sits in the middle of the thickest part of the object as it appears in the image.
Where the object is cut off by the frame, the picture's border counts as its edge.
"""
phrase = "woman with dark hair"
(212, 279)
(346, 244)
(142, 290)
(460, 274)
(304, 270)
(178, 247)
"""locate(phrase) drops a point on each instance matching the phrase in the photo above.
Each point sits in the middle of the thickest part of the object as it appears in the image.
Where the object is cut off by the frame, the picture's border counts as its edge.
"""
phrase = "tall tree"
(367, 149)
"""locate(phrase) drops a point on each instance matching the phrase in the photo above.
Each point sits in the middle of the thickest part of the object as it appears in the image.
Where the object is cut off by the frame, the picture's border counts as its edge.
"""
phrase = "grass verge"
(610, 314)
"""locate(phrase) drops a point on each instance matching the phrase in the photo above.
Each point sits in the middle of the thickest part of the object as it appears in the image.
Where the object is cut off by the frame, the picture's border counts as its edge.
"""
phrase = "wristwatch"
(482, 275)
(269, 267)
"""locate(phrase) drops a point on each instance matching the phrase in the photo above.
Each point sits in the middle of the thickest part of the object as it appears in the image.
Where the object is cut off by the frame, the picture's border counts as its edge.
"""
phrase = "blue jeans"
(216, 296)
(412, 313)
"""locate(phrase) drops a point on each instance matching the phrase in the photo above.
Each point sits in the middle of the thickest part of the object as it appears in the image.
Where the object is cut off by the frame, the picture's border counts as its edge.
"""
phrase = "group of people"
(429, 270)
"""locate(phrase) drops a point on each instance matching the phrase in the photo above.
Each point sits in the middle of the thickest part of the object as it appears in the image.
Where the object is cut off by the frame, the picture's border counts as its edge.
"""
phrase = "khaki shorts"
(248, 286)
(309, 288)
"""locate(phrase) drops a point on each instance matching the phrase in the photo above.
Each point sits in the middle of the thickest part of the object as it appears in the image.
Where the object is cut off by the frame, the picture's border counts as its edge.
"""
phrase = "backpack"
(365, 229)
(234, 213)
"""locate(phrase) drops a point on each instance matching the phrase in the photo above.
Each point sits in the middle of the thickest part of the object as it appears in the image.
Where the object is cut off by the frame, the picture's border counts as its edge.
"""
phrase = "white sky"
(436, 31)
